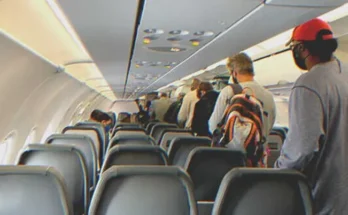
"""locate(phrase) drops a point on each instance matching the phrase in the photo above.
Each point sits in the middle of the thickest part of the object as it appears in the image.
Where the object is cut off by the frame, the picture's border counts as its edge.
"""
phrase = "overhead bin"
(314, 3)
(259, 25)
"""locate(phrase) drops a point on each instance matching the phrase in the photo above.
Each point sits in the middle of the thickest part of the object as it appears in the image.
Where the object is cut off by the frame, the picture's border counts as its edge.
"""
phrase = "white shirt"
(187, 108)
(260, 92)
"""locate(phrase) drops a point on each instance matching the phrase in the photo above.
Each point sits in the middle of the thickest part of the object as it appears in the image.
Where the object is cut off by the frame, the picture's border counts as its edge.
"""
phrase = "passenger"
(171, 115)
(185, 114)
(241, 70)
(124, 117)
(317, 141)
(142, 116)
(159, 107)
(203, 109)
(104, 118)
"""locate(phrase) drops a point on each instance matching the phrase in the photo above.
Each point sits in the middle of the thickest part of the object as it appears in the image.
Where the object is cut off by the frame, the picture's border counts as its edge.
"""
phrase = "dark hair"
(204, 86)
(164, 95)
(323, 49)
(100, 116)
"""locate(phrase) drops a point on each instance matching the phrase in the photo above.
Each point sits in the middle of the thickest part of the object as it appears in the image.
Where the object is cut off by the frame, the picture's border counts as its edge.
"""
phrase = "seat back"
(250, 191)
(134, 139)
(69, 162)
(135, 155)
(134, 190)
(207, 166)
(180, 148)
(129, 129)
(157, 129)
(150, 126)
(103, 136)
(275, 143)
(90, 132)
(86, 146)
(33, 191)
(127, 125)
(169, 136)
(177, 130)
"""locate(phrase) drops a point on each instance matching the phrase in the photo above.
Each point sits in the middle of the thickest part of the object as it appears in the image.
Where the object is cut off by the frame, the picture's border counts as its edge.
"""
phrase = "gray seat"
(205, 207)
(134, 129)
(69, 162)
(251, 191)
(150, 126)
(275, 143)
(207, 166)
(127, 125)
(167, 130)
(157, 129)
(90, 132)
(102, 136)
(32, 191)
(86, 146)
(134, 190)
(169, 136)
(180, 148)
(134, 139)
(135, 155)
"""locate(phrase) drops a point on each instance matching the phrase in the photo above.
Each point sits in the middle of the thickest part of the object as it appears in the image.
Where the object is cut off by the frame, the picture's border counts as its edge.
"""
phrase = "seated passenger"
(171, 115)
(317, 140)
(185, 114)
(124, 117)
(159, 107)
(203, 109)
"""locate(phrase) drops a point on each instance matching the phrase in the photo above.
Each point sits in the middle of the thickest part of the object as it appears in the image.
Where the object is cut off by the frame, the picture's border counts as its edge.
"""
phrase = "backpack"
(241, 127)
(172, 113)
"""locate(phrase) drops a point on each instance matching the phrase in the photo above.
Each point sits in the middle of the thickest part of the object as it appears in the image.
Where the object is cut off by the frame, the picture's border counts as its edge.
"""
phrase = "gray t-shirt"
(318, 119)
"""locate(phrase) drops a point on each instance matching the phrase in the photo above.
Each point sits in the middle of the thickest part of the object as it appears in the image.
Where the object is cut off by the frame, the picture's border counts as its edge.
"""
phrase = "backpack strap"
(236, 88)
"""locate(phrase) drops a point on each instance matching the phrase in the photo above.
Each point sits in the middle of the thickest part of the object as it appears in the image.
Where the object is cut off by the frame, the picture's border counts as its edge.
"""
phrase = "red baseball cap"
(308, 31)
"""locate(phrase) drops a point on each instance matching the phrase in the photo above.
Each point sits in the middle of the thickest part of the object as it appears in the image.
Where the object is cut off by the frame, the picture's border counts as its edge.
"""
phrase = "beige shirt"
(159, 108)
(187, 108)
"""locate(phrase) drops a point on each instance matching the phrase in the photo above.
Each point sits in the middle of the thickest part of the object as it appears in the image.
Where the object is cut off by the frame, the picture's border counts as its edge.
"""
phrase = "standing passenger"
(242, 72)
(159, 107)
(203, 109)
(317, 141)
(185, 114)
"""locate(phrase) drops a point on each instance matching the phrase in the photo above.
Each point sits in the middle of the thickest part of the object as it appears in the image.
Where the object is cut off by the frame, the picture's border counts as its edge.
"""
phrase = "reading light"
(195, 43)
(175, 49)
(146, 40)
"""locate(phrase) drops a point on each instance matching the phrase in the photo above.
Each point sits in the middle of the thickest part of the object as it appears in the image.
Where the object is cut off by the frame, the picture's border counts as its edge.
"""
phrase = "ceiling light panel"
(180, 24)
(41, 26)
(34, 24)
(235, 40)
(106, 28)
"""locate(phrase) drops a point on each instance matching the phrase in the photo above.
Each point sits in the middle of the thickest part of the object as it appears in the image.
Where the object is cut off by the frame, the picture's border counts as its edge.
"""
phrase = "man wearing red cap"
(317, 141)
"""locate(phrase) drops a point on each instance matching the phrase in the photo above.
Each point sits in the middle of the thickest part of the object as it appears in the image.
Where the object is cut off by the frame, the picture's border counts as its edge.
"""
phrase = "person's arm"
(184, 110)
(305, 129)
(220, 107)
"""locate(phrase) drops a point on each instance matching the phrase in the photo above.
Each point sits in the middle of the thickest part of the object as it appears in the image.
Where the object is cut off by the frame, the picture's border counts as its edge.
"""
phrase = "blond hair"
(241, 61)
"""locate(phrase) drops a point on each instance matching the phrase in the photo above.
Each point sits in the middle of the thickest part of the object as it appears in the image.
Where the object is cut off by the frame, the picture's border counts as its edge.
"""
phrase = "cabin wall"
(35, 100)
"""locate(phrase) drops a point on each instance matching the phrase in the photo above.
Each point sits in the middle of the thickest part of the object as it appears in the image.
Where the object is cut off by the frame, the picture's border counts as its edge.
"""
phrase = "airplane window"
(31, 137)
(49, 130)
(8, 140)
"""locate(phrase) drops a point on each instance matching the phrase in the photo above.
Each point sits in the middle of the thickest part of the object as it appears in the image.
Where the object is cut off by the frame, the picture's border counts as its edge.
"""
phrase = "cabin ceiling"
(140, 46)
(161, 51)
